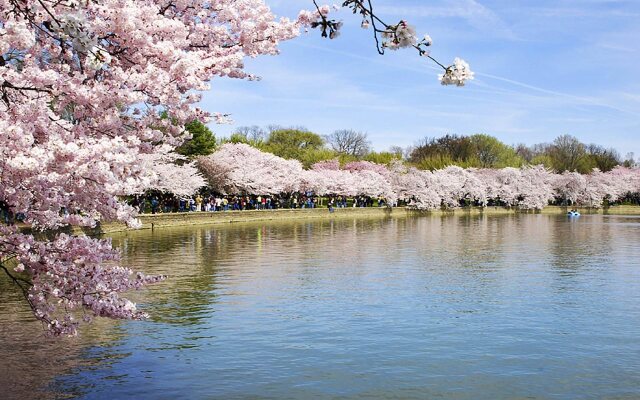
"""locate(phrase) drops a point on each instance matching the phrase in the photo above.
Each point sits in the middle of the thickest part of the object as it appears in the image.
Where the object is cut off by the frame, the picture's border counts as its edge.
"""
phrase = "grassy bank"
(158, 221)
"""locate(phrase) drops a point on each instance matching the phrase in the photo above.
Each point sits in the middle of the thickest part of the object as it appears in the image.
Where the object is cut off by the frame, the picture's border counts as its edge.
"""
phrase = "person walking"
(154, 205)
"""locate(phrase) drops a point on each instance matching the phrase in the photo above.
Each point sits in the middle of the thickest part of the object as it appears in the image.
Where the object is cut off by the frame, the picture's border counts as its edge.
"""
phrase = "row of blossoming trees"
(242, 169)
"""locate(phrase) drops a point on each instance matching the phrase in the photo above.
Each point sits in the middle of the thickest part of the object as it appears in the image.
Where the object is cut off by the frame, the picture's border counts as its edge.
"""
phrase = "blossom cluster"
(457, 74)
(529, 188)
(399, 36)
(70, 276)
(90, 93)
(170, 172)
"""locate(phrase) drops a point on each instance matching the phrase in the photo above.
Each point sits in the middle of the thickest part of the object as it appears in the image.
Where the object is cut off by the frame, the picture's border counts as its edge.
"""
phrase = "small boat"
(573, 214)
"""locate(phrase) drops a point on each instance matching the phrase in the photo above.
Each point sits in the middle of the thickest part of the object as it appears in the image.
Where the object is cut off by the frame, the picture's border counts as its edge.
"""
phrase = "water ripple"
(505, 307)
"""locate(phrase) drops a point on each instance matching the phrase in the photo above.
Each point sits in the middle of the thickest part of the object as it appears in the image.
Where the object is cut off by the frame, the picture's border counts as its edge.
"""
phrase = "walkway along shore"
(158, 221)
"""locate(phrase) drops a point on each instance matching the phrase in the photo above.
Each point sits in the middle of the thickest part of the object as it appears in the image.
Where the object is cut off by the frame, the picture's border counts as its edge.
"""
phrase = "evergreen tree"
(202, 142)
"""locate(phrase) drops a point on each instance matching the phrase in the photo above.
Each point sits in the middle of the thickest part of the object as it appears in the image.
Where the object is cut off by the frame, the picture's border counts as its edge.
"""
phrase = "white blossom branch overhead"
(393, 37)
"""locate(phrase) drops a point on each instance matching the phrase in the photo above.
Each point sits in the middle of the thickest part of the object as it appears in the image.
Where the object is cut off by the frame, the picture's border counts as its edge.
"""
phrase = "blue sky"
(543, 68)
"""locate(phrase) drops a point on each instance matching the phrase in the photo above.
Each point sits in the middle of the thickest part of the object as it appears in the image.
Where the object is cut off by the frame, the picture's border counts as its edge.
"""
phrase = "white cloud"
(477, 15)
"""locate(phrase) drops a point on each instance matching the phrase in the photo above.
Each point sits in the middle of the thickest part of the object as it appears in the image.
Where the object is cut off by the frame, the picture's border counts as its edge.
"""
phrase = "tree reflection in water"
(393, 299)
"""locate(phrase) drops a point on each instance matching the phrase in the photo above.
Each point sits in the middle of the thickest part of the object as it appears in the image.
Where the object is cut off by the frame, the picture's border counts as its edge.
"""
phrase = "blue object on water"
(573, 214)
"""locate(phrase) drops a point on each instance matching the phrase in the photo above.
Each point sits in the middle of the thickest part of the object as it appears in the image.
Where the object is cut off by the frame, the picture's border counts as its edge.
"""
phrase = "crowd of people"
(156, 202)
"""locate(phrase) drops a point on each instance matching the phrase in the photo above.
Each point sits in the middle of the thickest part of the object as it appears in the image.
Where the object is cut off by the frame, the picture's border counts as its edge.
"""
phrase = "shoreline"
(159, 221)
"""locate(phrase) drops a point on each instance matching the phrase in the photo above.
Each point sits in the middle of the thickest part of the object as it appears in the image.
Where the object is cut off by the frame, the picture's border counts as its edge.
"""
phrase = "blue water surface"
(453, 307)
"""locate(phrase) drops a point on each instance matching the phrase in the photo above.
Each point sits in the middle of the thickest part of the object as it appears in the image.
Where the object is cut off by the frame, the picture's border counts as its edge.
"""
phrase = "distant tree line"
(292, 143)
(565, 153)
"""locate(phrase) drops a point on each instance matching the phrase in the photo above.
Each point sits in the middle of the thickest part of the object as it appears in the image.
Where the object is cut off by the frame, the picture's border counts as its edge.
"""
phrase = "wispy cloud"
(580, 12)
(489, 88)
(581, 99)
(472, 11)
(617, 47)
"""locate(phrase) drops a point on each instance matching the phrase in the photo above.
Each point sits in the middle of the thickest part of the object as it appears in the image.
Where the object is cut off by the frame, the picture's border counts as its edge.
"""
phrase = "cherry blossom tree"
(356, 178)
(501, 185)
(356, 166)
(326, 178)
(528, 188)
(623, 181)
(590, 190)
(333, 165)
(571, 187)
(600, 187)
(419, 188)
(169, 172)
(332, 182)
(83, 91)
(253, 171)
(535, 188)
(374, 184)
(87, 89)
(458, 184)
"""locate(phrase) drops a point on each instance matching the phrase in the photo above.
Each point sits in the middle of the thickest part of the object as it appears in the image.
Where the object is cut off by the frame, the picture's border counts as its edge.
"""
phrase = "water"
(504, 307)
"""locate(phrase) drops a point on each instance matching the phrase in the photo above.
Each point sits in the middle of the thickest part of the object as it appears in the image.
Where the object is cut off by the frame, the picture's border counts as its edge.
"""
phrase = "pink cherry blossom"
(165, 174)
(89, 92)
(242, 169)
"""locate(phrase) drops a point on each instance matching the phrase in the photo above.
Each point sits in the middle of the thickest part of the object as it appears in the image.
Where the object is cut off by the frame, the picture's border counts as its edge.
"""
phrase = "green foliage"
(489, 152)
(293, 143)
(477, 151)
(252, 134)
(236, 138)
(542, 159)
(383, 157)
(601, 158)
(453, 146)
(202, 142)
(312, 156)
(346, 158)
(568, 154)
(436, 161)
(240, 138)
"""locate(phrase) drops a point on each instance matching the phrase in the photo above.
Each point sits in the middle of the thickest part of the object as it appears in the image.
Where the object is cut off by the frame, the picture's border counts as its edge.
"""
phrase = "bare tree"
(349, 142)
(629, 160)
(252, 133)
(527, 153)
(398, 151)
(407, 152)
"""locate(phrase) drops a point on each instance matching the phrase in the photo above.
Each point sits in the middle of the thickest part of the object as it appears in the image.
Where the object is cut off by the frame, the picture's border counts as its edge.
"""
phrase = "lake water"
(453, 307)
